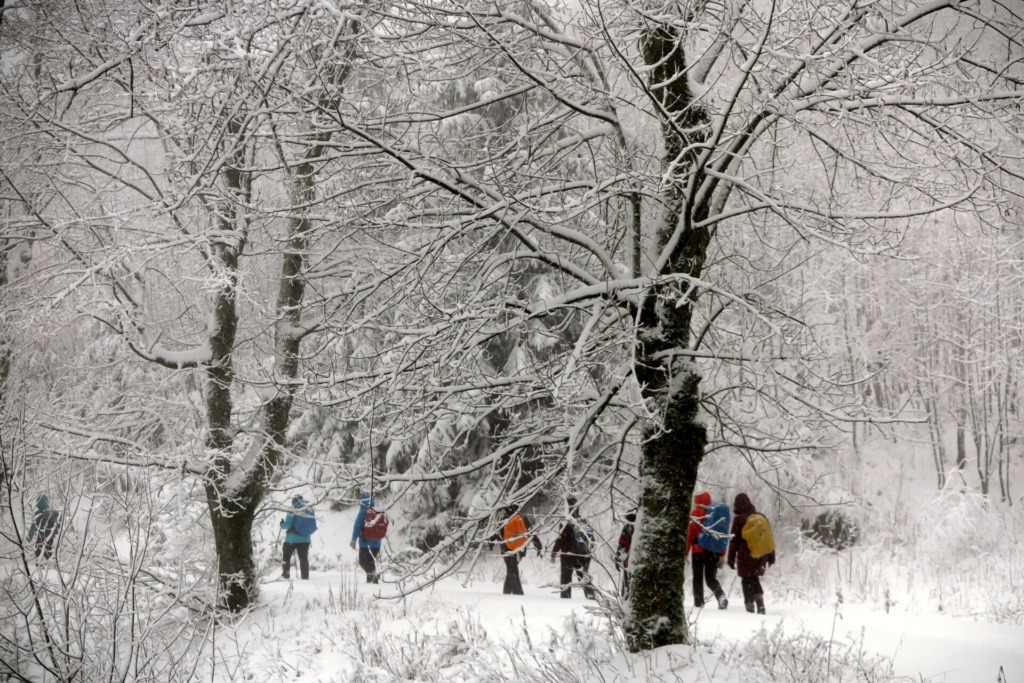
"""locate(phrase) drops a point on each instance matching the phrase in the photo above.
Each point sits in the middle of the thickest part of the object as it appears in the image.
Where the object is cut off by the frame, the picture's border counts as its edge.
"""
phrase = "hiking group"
(747, 544)
(368, 532)
(573, 548)
(741, 536)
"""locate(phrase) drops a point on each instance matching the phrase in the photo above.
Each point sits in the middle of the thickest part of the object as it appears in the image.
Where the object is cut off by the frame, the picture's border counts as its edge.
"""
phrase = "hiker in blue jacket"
(369, 548)
(295, 542)
(45, 525)
(707, 542)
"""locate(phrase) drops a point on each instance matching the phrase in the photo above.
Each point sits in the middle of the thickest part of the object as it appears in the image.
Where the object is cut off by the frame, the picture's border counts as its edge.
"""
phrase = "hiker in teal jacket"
(45, 526)
(294, 542)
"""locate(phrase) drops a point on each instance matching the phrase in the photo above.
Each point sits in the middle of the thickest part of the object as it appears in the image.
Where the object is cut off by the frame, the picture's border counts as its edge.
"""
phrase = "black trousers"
(44, 546)
(578, 566)
(513, 584)
(752, 590)
(303, 551)
(368, 561)
(705, 570)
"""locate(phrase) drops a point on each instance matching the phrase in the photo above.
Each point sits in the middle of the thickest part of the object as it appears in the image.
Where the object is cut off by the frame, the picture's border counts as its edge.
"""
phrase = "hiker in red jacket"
(749, 568)
(622, 552)
(705, 561)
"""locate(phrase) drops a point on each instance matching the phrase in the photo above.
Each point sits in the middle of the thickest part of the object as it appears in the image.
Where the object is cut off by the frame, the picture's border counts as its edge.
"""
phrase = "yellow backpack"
(757, 532)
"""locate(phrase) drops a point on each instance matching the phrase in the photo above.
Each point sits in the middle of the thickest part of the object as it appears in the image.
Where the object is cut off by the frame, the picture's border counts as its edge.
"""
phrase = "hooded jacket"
(301, 507)
(700, 504)
(739, 552)
(44, 521)
(366, 502)
(565, 543)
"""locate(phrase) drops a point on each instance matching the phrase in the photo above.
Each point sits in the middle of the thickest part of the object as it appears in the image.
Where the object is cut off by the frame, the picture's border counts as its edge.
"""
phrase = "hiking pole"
(278, 546)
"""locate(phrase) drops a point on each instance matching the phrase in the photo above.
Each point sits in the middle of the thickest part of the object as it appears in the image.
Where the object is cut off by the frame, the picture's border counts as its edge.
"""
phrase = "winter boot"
(749, 606)
(723, 602)
(760, 604)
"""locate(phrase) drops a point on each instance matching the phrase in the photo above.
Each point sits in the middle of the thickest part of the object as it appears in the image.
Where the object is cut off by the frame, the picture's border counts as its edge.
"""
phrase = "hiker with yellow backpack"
(751, 550)
(513, 539)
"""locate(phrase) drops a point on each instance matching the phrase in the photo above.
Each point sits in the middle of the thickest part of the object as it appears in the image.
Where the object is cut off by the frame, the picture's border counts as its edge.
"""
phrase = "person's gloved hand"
(352, 544)
(732, 565)
(540, 552)
(552, 558)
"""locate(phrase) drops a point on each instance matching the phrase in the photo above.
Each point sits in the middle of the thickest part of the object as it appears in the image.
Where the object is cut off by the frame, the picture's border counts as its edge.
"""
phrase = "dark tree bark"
(670, 381)
(231, 516)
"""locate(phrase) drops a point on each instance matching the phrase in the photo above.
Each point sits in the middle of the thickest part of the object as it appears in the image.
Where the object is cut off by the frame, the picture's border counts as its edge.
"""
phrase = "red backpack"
(375, 525)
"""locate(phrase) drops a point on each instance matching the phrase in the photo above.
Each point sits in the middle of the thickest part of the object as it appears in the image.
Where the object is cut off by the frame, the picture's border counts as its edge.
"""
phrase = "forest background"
(468, 254)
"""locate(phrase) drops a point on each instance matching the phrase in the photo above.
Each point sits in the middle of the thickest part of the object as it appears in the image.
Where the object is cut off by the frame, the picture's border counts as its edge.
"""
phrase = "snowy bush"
(778, 656)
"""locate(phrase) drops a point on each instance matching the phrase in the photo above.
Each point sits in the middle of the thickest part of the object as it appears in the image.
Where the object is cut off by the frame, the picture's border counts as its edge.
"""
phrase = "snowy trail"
(926, 649)
(929, 649)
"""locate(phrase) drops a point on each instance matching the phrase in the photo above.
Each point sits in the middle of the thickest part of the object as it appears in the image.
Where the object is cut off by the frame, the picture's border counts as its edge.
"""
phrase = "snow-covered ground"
(335, 627)
(933, 592)
(442, 623)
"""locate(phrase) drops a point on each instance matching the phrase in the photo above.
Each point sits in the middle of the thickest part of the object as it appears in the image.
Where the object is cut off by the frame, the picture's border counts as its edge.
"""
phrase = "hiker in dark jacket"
(369, 549)
(573, 552)
(705, 562)
(294, 542)
(45, 527)
(622, 551)
(749, 569)
(513, 540)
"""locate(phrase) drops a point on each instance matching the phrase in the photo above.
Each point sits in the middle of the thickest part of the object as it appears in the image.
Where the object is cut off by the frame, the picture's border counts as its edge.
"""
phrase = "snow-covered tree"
(674, 149)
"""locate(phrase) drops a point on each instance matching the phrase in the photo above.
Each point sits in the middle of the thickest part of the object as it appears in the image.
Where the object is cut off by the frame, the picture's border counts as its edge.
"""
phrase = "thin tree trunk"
(5, 336)
(234, 497)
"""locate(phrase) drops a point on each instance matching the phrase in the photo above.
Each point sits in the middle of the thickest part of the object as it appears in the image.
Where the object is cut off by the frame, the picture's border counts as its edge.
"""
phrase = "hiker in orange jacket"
(513, 539)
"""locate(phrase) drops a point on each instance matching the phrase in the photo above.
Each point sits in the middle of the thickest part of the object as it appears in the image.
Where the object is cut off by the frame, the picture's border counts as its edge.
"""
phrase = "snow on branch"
(99, 437)
(135, 43)
(476, 465)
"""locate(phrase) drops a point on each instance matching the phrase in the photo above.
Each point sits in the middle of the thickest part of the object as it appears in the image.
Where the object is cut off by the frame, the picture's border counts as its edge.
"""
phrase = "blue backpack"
(582, 537)
(304, 523)
(714, 534)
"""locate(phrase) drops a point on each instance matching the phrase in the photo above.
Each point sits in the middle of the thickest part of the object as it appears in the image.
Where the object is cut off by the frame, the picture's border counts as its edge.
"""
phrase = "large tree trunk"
(669, 379)
(230, 517)
(232, 535)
